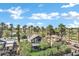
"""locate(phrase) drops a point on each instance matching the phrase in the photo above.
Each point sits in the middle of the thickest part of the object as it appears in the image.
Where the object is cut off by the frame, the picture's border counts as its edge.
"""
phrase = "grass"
(40, 53)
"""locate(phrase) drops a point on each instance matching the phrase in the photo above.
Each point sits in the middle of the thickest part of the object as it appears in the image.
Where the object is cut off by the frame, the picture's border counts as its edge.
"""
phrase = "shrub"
(57, 44)
(68, 50)
(54, 51)
(25, 48)
(48, 52)
(44, 44)
(65, 49)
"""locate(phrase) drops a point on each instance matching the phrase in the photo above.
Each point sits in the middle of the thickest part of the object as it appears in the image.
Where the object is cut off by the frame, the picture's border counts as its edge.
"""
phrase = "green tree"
(62, 30)
(24, 28)
(18, 33)
(54, 51)
(18, 38)
(26, 48)
(2, 29)
(37, 29)
(56, 31)
(30, 29)
(6, 34)
(24, 31)
(11, 30)
(65, 49)
(50, 31)
(43, 31)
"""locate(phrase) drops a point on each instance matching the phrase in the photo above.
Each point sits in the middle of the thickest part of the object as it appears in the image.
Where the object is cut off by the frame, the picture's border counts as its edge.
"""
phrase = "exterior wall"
(36, 40)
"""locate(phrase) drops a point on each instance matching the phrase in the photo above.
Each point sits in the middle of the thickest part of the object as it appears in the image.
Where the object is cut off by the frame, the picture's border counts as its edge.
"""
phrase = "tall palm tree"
(18, 37)
(18, 33)
(24, 31)
(37, 29)
(30, 29)
(50, 31)
(42, 30)
(24, 28)
(2, 29)
(62, 30)
(11, 30)
(56, 31)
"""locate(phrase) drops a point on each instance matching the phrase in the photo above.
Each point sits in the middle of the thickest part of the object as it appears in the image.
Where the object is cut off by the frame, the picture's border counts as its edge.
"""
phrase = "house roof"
(33, 36)
(7, 41)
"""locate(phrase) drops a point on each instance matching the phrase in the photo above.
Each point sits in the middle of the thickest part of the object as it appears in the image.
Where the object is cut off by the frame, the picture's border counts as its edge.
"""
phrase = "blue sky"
(41, 14)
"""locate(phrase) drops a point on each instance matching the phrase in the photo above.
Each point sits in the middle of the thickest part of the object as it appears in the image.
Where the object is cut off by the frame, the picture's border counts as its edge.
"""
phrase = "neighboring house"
(7, 43)
(7, 47)
(35, 40)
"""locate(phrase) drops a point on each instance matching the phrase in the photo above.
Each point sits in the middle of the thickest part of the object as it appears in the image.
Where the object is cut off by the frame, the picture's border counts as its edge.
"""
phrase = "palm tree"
(18, 36)
(24, 28)
(30, 29)
(34, 29)
(24, 31)
(62, 30)
(6, 31)
(11, 30)
(37, 29)
(56, 31)
(18, 33)
(2, 29)
(42, 30)
(50, 31)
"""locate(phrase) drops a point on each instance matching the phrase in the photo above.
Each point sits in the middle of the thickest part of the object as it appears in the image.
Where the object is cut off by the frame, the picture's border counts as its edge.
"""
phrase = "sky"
(40, 14)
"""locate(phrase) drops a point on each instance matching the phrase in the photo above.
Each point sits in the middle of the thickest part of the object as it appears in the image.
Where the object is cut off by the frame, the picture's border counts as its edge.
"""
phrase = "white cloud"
(75, 24)
(38, 16)
(1, 10)
(35, 24)
(15, 12)
(64, 14)
(74, 14)
(70, 15)
(55, 15)
(69, 5)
